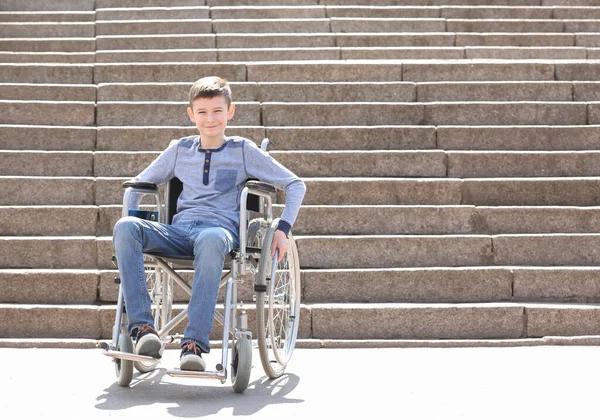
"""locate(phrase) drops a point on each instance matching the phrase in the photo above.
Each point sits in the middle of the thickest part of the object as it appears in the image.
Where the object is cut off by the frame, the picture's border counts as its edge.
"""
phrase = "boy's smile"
(210, 115)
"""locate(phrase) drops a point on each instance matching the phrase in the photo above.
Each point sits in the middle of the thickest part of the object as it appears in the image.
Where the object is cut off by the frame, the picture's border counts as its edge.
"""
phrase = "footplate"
(129, 356)
(178, 373)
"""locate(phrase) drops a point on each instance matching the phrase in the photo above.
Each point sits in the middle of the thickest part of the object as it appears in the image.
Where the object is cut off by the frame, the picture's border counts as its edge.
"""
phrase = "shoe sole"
(149, 345)
(192, 362)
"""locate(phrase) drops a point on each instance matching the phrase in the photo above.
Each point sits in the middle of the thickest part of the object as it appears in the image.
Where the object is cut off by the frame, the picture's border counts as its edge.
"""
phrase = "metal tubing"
(243, 221)
(119, 314)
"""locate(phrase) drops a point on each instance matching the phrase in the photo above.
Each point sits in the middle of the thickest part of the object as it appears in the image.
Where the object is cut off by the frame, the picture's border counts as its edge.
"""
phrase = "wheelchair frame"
(234, 319)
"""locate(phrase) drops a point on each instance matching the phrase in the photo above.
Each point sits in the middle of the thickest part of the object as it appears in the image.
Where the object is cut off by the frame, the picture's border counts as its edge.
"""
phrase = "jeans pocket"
(225, 179)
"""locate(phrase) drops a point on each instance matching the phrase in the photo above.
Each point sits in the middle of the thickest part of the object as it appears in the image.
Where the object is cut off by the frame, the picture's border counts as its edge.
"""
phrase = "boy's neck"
(211, 143)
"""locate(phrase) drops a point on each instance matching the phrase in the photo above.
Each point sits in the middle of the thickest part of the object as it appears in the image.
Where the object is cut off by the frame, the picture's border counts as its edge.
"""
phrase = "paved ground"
(417, 383)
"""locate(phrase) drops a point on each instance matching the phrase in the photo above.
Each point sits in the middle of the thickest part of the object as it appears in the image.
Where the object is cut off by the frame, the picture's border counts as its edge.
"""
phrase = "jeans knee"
(126, 227)
(211, 242)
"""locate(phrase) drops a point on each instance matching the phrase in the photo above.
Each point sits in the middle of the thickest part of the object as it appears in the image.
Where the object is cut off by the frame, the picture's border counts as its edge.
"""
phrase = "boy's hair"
(210, 87)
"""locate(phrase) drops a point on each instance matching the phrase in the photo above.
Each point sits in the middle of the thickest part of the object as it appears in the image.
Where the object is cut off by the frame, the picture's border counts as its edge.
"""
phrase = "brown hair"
(210, 87)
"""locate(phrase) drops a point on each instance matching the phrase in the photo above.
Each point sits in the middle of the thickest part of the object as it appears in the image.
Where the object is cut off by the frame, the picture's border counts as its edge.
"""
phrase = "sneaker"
(191, 357)
(147, 342)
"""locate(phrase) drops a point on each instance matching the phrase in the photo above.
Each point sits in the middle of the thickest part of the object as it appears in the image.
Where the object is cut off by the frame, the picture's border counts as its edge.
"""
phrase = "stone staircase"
(451, 151)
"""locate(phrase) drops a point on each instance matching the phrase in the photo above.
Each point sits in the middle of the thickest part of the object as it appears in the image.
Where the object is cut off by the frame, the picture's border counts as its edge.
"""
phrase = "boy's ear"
(230, 112)
(191, 114)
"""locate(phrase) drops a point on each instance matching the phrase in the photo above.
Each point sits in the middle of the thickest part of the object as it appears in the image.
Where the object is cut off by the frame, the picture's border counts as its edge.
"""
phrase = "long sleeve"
(262, 166)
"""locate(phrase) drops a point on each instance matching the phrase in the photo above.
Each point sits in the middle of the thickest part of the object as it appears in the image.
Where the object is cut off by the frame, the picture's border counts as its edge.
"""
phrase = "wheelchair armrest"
(141, 184)
(261, 186)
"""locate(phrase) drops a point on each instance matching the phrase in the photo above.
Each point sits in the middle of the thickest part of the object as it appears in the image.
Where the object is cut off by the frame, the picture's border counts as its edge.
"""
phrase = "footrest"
(129, 356)
(178, 373)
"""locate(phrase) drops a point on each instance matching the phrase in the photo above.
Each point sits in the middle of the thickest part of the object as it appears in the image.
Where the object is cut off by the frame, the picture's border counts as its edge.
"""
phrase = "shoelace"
(190, 345)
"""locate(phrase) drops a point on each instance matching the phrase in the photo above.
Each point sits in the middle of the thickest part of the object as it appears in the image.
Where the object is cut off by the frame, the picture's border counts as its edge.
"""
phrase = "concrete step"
(48, 57)
(436, 113)
(395, 285)
(499, 12)
(46, 163)
(56, 220)
(55, 113)
(340, 321)
(557, 39)
(509, 25)
(382, 11)
(575, 12)
(268, 26)
(167, 72)
(37, 16)
(495, 91)
(402, 53)
(153, 27)
(109, 4)
(269, 92)
(529, 53)
(354, 25)
(47, 92)
(47, 73)
(390, 191)
(164, 113)
(42, 5)
(64, 45)
(268, 12)
(47, 191)
(148, 13)
(40, 137)
(47, 29)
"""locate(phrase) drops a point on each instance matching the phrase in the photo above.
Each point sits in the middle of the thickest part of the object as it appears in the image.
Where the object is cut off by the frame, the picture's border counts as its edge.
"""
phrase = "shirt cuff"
(284, 226)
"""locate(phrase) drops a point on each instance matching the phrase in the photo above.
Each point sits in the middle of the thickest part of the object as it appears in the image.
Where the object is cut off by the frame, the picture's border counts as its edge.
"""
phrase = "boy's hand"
(279, 242)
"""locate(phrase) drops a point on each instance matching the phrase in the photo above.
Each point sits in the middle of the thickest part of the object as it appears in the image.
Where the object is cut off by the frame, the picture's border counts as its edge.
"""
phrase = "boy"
(213, 169)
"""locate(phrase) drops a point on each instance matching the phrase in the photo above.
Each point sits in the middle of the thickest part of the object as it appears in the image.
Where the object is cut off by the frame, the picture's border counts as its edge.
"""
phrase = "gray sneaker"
(191, 357)
(147, 342)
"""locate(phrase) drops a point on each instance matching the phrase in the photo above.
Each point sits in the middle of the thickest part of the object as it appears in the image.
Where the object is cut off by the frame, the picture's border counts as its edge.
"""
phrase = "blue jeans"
(207, 243)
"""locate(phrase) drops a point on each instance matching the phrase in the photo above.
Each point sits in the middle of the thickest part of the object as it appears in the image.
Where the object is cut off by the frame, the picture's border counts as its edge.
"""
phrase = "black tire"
(241, 364)
(124, 368)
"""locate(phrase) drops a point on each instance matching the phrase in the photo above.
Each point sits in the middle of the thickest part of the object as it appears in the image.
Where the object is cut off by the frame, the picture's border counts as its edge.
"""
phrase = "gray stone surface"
(577, 71)
(337, 92)
(353, 138)
(53, 113)
(168, 92)
(278, 54)
(495, 91)
(324, 72)
(48, 57)
(562, 320)
(34, 163)
(587, 40)
(407, 285)
(390, 25)
(169, 72)
(155, 56)
(572, 284)
(523, 164)
(381, 11)
(497, 12)
(488, 71)
(586, 91)
(506, 113)
(154, 27)
(146, 13)
(155, 42)
(517, 39)
(547, 249)
(31, 137)
(40, 5)
(49, 321)
(402, 53)
(46, 73)
(397, 321)
(46, 191)
(527, 53)
(531, 192)
(43, 45)
(389, 191)
(259, 40)
(48, 252)
(395, 40)
(275, 12)
(48, 220)
(342, 113)
(122, 164)
(394, 251)
(576, 12)
(519, 138)
(506, 25)
(266, 26)
(47, 30)
(49, 286)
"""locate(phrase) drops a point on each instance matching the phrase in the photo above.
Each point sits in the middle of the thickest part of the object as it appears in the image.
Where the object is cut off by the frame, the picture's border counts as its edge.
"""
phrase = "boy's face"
(211, 116)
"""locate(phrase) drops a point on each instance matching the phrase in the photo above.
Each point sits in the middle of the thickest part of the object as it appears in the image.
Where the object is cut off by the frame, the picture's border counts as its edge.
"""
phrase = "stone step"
(47, 29)
(268, 12)
(531, 53)
(42, 5)
(54, 113)
(509, 25)
(153, 27)
(47, 73)
(37, 16)
(267, 26)
(40, 137)
(165, 113)
(574, 12)
(44, 191)
(335, 252)
(63, 45)
(149, 13)
(108, 4)
(47, 92)
(166, 72)
(394, 285)
(48, 57)
(436, 113)
(550, 91)
(322, 321)
(502, 12)
(46, 163)
(557, 39)
(56, 221)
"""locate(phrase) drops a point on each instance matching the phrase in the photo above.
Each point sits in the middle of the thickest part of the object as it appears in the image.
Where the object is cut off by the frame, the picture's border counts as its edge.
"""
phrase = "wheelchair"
(276, 287)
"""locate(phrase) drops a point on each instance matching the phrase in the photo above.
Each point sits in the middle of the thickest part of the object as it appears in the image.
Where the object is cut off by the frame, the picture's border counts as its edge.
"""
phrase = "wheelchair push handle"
(141, 185)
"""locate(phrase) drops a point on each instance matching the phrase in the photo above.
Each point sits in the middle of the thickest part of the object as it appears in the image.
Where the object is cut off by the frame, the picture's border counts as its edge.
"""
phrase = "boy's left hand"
(279, 242)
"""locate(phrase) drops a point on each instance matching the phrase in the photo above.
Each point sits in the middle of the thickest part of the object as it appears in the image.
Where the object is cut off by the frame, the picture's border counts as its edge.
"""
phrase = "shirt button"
(207, 161)
(206, 171)
(208, 151)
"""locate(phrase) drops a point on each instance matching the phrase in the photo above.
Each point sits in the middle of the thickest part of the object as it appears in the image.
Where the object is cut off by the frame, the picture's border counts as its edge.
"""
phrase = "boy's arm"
(260, 165)
(159, 171)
